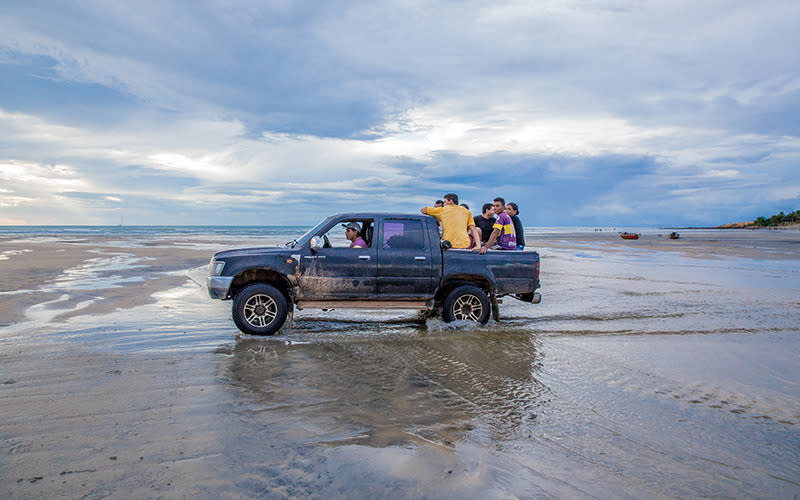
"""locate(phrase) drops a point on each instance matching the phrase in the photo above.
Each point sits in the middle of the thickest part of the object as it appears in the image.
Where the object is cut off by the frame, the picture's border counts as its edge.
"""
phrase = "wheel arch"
(262, 275)
(456, 280)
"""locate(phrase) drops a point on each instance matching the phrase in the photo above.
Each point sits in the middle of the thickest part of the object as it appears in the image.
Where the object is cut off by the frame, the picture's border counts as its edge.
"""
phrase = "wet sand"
(653, 368)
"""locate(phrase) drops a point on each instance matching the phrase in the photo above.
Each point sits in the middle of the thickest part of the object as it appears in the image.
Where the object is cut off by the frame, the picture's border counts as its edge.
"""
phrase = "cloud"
(214, 165)
(617, 110)
(55, 178)
(789, 193)
(722, 173)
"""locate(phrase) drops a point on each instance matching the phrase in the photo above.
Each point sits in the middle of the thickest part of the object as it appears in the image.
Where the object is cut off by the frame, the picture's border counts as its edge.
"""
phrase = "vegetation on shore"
(781, 219)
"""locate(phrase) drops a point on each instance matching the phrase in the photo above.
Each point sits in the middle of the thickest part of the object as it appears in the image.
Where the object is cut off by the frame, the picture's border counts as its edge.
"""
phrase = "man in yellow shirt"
(456, 221)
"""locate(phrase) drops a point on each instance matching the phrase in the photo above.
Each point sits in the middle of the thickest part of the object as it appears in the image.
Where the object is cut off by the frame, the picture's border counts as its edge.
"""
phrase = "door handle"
(363, 257)
(419, 258)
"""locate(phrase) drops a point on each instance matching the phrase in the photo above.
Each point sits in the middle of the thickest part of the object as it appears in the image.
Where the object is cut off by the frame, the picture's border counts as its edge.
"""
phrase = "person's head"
(499, 205)
(438, 203)
(351, 230)
(451, 199)
(465, 206)
(512, 208)
(487, 210)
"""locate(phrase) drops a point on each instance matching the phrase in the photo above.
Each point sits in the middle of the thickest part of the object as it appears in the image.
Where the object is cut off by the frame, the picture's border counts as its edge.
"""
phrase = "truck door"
(404, 259)
(337, 271)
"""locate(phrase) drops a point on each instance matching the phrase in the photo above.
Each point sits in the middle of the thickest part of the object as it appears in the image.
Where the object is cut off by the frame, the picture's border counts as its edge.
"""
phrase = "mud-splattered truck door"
(336, 271)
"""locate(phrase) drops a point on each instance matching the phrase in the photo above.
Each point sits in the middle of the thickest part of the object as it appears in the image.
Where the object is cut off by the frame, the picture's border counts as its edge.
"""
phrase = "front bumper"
(218, 286)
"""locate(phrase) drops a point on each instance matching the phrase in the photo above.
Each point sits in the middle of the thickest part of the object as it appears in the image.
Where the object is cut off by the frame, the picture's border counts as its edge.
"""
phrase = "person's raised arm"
(424, 210)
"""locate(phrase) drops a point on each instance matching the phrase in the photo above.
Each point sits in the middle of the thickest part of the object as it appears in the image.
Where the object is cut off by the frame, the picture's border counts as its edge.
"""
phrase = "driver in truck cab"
(351, 233)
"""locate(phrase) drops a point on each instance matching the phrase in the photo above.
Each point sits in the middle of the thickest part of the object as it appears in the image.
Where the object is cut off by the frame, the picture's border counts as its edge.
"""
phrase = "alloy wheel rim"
(468, 307)
(260, 310)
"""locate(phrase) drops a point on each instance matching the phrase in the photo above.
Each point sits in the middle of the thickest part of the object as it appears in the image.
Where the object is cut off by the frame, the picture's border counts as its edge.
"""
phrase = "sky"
(224, 112)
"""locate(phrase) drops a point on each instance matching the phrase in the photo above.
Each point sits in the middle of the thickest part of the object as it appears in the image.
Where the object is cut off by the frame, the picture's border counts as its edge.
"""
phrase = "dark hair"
(514, 206)
(486, 207)
(438, 202)
(452, 197)
(465, 206)
(501, 200)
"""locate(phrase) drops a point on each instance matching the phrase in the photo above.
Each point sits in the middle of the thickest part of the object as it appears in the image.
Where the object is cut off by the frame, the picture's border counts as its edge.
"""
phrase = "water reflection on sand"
(400, 389)
(575, 416)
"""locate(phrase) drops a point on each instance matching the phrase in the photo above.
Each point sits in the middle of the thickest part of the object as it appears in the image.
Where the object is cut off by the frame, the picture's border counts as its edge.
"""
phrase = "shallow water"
(646, 371)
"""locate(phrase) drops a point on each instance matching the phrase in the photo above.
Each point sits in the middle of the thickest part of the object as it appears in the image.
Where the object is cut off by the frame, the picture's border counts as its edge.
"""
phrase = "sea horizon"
(51, 229)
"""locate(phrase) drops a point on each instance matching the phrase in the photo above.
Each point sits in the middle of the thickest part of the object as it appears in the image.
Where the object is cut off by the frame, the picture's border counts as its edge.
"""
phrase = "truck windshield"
(309, 234)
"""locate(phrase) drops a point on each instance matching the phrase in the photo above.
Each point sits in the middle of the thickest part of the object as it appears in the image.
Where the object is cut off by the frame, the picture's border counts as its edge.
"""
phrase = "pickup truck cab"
(404, 266)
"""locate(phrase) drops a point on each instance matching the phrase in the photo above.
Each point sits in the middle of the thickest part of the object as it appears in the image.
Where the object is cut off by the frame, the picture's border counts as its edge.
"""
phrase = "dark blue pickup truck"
(404, 266)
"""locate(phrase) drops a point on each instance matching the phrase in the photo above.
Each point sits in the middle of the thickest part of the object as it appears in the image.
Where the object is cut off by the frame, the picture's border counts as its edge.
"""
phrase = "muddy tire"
(259, 309)
(466, 302)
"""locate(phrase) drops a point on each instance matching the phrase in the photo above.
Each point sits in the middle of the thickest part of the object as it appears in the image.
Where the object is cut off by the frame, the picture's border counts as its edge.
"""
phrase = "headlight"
(215, 267)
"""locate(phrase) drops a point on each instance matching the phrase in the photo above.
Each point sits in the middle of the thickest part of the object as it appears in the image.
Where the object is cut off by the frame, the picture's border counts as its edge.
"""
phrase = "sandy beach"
(653, 368)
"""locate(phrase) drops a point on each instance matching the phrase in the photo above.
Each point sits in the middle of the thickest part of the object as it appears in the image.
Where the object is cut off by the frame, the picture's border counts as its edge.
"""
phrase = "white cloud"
(33, 177)
(722, 173)
(34, 187)
(13, 201)
(232, 169)
(415, 91)
(423, 131)
(200, 167)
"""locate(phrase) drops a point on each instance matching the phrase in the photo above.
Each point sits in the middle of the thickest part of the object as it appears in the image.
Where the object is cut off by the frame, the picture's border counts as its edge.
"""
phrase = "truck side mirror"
(446, 245)
(316, 243)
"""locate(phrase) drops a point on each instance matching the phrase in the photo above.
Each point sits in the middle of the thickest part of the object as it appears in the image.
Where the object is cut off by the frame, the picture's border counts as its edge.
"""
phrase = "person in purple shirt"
(503, 236)
(351, 233)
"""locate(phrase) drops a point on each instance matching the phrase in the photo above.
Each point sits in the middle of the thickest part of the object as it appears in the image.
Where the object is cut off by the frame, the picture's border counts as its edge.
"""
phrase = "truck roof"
(373, 215)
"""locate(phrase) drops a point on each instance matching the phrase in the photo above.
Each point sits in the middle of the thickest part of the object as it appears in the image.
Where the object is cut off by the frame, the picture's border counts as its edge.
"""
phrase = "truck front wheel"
(466, 302)
(259, 309)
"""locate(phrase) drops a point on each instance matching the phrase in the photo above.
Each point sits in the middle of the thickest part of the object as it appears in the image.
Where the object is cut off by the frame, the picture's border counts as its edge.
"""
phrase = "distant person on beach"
(351, 233)
(513, 211)
(456, 221)
(503, 236)
(485, 221)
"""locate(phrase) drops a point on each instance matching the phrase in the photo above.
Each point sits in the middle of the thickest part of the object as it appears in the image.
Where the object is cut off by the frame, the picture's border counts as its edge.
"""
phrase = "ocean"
(158, 231)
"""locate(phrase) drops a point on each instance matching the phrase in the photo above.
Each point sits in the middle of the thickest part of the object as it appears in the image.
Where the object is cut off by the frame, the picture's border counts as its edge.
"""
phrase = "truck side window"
(403, 234)
(336, 235)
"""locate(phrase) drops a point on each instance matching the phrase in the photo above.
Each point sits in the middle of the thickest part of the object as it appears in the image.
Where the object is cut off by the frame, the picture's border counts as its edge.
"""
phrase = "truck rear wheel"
(466, 302)
(259, 309)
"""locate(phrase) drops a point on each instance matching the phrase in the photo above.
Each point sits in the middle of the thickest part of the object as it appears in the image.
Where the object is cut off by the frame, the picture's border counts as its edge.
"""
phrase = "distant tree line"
(779, 219)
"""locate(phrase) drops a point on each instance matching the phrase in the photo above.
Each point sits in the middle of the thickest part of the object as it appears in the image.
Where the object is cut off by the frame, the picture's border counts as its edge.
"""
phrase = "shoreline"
(738, 225)
(753, 225)
(54, 279)
(734, 228)
(101, 231)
